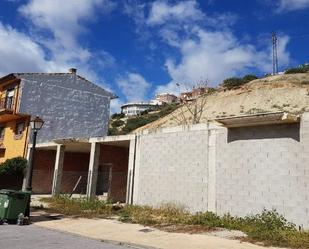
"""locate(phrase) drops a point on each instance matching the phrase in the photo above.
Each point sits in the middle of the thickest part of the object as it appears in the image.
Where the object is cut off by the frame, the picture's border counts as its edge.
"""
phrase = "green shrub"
(230, 83)
(112, 131)
(117, 123)
(300, 69)
(249, 77)
(234, 82)
(208, 219)
(211, 90)
(117, 115)
(14, 166)
(83, 207)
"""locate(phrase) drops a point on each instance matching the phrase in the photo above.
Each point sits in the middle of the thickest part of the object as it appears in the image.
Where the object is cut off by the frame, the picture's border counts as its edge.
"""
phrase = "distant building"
(194, 94)
(185, 96)
(133, 109)
(164, 98)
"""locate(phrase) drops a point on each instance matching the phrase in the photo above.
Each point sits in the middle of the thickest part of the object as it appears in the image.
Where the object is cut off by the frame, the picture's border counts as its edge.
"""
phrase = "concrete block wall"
(238, 171)
(172, 168)
(264, 167)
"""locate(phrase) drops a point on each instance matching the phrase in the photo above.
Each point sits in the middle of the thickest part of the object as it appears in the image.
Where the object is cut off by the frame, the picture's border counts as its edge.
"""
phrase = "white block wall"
(172, 168)
(238, 171)
(264, 167)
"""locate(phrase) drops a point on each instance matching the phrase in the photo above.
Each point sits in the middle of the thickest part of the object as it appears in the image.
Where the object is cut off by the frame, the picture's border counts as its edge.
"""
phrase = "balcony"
(6, 105)
(7, 110)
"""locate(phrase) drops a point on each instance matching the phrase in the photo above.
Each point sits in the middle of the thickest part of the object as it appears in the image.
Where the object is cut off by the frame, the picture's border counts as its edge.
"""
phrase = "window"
(19, 128)
(9, 99)
(2, 130)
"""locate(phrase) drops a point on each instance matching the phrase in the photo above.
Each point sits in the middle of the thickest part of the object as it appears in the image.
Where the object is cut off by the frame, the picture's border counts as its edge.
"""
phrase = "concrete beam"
(127, 137)
(93, 170)
(58, 170)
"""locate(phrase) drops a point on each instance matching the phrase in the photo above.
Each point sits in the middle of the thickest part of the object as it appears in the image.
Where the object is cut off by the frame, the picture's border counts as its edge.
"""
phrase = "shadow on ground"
(39, 215)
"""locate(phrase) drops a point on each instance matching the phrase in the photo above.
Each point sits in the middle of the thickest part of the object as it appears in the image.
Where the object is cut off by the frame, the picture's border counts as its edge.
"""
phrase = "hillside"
(287, 92)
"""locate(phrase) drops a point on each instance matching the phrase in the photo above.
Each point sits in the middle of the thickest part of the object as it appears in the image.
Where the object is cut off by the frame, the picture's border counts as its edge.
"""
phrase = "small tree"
(14, 166)
(194, 107)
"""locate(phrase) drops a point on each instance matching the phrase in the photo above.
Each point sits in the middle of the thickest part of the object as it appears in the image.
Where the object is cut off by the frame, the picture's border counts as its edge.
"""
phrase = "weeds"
(268, 227)
(82, 207)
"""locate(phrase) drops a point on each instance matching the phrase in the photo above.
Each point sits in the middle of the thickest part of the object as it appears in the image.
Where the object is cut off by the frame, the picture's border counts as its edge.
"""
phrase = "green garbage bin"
(12, 203)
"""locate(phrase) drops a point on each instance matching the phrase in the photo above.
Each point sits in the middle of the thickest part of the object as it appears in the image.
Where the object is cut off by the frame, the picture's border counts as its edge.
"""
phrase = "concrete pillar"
(93, 170)
(135, 175)
(28, 156)
(58, 170)
(212, 206)
(131, 162)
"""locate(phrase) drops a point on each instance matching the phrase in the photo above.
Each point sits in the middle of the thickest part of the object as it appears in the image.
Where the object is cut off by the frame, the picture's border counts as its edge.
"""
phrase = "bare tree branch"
(195, 106)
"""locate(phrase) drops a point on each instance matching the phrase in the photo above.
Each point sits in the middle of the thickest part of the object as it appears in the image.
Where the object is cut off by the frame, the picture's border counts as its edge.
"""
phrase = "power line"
(275, 55)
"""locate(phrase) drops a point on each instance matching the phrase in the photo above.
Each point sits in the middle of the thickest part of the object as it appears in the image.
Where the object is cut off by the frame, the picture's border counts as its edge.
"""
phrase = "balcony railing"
(7, 103)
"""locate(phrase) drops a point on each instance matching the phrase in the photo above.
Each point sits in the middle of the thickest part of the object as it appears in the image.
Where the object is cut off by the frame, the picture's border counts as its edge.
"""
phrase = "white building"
(133, 109)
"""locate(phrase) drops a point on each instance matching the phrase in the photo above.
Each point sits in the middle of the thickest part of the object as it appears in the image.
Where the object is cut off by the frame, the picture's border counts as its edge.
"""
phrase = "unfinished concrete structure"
(236, 165)
(101, 163)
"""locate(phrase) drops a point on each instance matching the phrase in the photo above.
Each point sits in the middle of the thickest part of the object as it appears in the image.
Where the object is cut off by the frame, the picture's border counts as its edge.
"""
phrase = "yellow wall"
(14, 147)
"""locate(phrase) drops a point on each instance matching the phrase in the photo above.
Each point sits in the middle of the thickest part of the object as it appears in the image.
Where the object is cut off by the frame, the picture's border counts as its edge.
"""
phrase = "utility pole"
(275, 56)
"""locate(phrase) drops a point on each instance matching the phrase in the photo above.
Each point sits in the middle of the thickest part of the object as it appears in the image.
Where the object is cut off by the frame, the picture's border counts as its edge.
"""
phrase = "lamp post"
(36, 125)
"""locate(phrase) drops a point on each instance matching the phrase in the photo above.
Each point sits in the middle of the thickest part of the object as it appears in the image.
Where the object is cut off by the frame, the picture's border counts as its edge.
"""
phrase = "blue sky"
(138, 48)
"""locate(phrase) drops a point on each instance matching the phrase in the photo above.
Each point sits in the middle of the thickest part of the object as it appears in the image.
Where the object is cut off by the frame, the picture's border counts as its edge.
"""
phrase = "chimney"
(73, 70)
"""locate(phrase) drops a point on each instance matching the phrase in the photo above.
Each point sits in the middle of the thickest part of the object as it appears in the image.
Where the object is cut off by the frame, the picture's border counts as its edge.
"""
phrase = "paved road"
(32, 237)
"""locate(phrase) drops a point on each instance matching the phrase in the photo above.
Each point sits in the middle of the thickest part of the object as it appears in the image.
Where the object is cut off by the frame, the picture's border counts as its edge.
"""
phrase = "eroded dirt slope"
(274, 93)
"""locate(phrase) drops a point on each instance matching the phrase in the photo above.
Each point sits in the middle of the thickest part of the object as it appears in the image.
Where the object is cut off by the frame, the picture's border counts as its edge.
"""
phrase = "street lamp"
(36, 125)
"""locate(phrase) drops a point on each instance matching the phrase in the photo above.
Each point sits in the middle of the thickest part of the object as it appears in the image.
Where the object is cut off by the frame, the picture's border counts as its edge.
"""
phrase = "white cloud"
(184, 11)
(206, 45)
(65, 20)
(51, 43)
(133, 86)
(116, 106)
(19, 53)
(290, 5)
(215, 56)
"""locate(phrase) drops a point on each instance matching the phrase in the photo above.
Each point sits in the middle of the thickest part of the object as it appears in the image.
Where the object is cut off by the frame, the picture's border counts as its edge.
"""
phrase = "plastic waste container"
(12, 203)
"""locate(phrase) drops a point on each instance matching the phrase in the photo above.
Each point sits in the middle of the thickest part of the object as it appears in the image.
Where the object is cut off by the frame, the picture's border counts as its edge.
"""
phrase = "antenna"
(275, 55)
